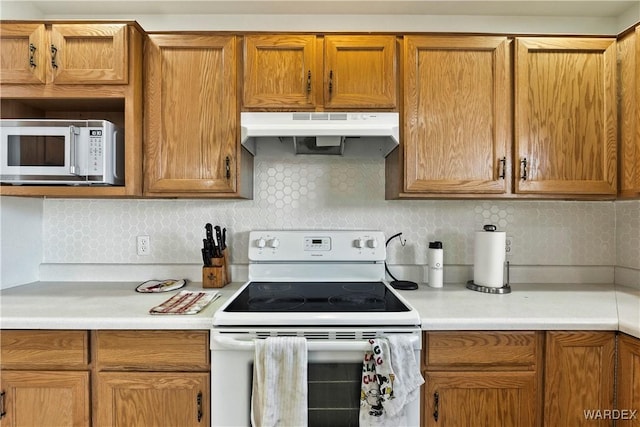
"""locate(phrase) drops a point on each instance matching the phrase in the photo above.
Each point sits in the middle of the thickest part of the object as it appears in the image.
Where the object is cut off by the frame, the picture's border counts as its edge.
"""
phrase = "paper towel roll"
(488, 258)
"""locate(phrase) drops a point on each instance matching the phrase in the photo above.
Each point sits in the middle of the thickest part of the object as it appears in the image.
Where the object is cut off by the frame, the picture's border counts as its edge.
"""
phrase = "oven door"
(334, 375)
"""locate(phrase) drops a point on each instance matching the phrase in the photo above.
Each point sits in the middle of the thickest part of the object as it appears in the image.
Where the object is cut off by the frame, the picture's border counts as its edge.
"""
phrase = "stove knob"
(274, 243)
(358, 243)
(261, 243)
(372, 243)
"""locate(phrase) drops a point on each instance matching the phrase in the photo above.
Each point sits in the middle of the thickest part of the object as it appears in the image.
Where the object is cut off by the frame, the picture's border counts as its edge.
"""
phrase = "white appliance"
(337, 133)
(327, 286)
(72, 152)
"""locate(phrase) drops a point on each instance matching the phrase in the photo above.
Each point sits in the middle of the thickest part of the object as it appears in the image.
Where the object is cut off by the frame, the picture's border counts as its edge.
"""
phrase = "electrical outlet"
(509, 246)
(144, 245)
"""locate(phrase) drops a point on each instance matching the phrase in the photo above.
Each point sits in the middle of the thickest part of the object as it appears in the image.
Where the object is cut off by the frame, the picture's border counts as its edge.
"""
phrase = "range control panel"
(316, 245)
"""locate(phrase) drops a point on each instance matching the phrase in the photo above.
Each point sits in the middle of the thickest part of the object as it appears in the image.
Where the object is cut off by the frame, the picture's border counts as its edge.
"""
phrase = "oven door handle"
(230, 343)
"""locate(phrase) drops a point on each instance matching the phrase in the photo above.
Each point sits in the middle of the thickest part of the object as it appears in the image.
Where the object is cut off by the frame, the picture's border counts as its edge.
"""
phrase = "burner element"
(360, 286)
(274, 286)
(361, 299)
(276, 302)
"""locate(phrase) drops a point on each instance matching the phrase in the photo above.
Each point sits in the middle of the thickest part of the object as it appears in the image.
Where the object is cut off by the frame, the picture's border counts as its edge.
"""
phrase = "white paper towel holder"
(506, 289)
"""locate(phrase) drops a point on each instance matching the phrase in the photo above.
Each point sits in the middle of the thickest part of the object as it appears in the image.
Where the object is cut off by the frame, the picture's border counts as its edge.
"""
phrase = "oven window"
(35, 150)
(334, 394)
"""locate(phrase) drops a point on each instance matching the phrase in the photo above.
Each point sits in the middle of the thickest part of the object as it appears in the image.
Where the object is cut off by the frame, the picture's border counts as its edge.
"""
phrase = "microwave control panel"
(95, 151)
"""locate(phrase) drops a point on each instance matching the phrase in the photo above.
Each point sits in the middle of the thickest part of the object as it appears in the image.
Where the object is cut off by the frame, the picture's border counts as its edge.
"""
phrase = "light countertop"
(116, 305)
(95, 305)
(527, 307)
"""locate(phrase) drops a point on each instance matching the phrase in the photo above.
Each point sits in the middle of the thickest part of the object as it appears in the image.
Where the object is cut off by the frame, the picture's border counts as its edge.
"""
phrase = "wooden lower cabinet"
(45, 398)
(153, 399)
(44, 378)
(579, 377)
(628, 384)
(482, 379)
(151, 378)
(458, 399)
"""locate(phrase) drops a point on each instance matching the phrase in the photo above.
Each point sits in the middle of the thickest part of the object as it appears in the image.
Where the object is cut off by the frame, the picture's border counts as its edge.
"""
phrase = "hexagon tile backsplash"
(308, 192)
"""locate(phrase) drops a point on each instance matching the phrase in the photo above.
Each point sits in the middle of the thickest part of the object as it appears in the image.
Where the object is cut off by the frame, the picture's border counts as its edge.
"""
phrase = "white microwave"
(67, 152)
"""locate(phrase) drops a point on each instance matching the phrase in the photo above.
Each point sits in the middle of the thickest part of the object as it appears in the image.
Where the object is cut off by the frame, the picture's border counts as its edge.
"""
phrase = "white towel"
(391, 379)
(279, 396)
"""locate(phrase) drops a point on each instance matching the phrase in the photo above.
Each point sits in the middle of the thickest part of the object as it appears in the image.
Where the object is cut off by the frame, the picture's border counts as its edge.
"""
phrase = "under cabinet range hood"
(339, 133)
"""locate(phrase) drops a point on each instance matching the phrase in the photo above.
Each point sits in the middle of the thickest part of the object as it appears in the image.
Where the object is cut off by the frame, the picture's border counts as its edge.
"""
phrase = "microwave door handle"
(114, 155)
(73, 167)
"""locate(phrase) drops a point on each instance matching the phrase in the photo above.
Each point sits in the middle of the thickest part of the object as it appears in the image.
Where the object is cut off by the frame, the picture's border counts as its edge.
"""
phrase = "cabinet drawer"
(34, 349)
(152, 350)
(499, 350)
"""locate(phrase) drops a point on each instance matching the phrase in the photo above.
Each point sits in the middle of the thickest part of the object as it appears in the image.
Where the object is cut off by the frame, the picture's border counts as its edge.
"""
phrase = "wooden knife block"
(216, 276)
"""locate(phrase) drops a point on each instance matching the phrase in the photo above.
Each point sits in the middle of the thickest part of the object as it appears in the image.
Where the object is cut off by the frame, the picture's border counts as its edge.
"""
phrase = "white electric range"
(326, 285)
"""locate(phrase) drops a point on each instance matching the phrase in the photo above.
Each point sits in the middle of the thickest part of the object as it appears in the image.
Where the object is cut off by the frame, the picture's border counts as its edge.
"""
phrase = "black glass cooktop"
(316, 297)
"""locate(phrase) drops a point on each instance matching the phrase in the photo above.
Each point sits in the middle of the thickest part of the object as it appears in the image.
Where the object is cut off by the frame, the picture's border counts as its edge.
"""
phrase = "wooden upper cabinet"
(89, 54)
(64, 53)
(565, 122)
(360, 72)
(306, 72)
(23, 53)
(629, 96)
(280, 71)
(457, 136)
(190, 114)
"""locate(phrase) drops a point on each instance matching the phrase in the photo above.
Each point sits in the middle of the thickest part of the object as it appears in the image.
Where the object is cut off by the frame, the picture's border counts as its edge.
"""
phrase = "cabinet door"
(565, 119)
(153, 399)
(579, 374)
(89, 54)
(457, 114)
(629, 85)
(360, 72)
(281, 72)
(475, 399)
(23, 53)
(191, 114)
(45, 398)
(628, 395)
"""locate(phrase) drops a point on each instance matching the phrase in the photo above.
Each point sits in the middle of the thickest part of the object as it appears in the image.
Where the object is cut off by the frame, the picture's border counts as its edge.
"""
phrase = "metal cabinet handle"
(436, 401)
(199, 406)
(503, 167)
(227, 164)
(54, 53)
(32, 52)
(330, 82)
(308, 82)
(2, 411)
(523, 162)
